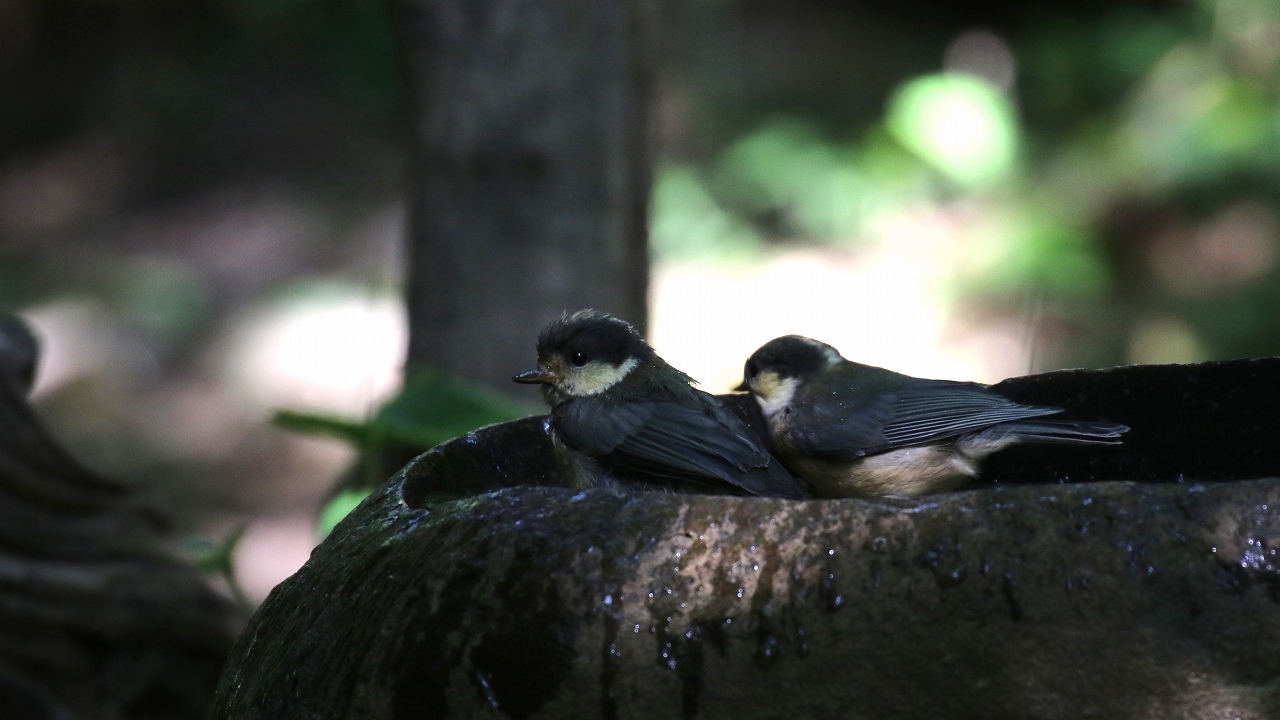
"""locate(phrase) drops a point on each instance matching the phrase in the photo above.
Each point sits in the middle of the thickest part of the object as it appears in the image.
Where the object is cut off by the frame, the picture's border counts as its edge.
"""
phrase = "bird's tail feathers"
(1060, 432)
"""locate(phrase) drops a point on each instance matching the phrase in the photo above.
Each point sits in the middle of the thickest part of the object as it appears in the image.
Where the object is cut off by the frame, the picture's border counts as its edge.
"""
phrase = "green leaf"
(433, 407)
(313, 424)
(338, 508)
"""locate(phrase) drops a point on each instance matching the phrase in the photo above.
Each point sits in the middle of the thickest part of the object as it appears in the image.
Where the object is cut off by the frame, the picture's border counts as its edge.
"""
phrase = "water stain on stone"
(764, 584)
(829, 593)
(947, 566)
(422, 689)
(525, 664)
(682, 653)
(609, 665)
(1008, 585)
(536, 636)
(802, 643)
(689, 668)
(767, 643)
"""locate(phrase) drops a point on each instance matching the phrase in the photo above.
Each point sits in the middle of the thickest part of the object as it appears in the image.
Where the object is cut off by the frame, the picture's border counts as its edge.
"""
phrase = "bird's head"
(585, 353)
(777, 368)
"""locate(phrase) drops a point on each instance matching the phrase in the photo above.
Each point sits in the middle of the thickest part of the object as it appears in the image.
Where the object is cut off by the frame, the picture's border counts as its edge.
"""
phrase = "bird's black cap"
(597, 335)
(790, 356)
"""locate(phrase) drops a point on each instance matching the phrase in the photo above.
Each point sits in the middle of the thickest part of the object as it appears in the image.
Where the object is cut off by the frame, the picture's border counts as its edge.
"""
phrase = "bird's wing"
(929, 410)
(670, 439)
(838, 428)
(915, 412)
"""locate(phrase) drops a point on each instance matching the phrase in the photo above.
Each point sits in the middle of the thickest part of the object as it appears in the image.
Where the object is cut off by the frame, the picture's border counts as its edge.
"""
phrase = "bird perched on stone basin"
(852, 430)
(622, 417)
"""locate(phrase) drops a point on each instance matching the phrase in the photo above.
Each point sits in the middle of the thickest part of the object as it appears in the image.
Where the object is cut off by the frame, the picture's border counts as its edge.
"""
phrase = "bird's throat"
(774, 393)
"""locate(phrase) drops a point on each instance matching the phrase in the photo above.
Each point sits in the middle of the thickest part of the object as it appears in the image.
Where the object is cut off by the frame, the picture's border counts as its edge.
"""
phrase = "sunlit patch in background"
(330, 347)
(77, 338)
(1164, 339)
(327, 346)
(883, 305)
(961, 123)
(272, 549)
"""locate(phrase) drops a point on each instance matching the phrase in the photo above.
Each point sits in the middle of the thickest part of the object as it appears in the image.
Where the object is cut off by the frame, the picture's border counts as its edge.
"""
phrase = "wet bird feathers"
(857, 410)
(692, 441)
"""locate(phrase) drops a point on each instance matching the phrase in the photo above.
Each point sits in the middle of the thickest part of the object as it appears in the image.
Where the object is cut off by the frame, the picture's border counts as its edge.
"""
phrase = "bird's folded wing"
(839, 429)
(668, 439)
(935, 410)
(921, 412)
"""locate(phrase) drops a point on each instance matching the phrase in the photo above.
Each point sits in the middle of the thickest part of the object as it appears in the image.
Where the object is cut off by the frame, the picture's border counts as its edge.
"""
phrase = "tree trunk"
(531, 172)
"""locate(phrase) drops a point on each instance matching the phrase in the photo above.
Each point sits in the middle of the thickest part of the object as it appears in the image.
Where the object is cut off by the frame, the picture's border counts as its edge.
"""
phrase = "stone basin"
(1036, 595)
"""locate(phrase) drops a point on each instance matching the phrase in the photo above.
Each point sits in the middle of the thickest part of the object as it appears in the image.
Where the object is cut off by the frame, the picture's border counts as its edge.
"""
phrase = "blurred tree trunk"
(529, 124)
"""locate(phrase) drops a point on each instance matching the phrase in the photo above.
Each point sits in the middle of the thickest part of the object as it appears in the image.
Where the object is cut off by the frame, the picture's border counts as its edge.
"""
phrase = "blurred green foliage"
(1130, 175)
(960, 124)
(432, 407)
(219, 559)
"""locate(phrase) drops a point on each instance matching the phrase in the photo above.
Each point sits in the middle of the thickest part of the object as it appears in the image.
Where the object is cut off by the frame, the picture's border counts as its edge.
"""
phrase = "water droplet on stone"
(767, 650)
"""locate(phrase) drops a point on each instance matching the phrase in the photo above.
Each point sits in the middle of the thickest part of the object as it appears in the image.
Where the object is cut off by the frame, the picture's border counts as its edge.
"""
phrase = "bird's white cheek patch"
(596, 377)
(774, 393)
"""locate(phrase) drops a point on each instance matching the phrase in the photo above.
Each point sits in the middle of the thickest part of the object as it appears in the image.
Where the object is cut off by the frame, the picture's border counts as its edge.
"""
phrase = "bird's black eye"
(578, 359)
(750, 371)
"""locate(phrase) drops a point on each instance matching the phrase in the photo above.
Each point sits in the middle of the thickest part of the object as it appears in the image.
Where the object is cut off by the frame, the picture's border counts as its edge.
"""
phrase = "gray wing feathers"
(1060, 432)
(912, 413)
(840, 431)
(675, 439)
(937, 409)
(685, 438)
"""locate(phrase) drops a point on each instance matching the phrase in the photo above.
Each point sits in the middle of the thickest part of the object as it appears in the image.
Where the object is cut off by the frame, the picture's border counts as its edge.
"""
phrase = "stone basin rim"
(1104, 488)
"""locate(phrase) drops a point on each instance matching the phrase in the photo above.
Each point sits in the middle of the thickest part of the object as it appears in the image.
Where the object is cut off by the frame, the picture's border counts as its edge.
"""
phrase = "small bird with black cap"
(622, 417)
(852, 430)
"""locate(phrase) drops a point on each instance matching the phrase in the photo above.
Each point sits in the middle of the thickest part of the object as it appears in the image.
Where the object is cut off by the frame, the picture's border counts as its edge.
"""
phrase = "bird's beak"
(743, 387)
(533, 376)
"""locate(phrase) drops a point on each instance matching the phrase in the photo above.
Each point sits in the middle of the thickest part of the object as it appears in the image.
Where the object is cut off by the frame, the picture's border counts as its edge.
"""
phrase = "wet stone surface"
(1100, 599)
(1103, 600)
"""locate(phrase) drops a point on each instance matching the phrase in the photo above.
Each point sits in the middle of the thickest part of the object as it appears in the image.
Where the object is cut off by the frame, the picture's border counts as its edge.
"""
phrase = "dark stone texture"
(1090, 600)
(1208, 421)
(491, 458)
(1099, 599)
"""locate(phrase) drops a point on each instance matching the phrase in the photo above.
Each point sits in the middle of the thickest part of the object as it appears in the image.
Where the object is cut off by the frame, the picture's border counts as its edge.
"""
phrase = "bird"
(623, 418)
(853, 430)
